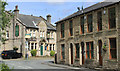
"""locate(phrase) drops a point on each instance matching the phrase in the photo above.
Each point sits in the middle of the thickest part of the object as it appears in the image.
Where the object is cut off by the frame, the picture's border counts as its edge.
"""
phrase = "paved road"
(30, 64)
(39, 64)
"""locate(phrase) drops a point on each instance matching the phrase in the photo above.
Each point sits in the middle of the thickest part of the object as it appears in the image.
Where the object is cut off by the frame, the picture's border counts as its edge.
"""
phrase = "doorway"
(41, 50)
(100, 52)
(82, 45)
(71, 47)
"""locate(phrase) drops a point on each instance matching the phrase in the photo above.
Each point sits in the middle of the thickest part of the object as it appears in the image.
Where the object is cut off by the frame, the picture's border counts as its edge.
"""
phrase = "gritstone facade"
(28, 32)
(90, 37)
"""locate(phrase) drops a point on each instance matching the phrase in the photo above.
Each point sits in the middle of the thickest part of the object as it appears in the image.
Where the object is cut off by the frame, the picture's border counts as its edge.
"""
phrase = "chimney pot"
(49, 18)
(16, 11)
(16, 7)
(78, 8)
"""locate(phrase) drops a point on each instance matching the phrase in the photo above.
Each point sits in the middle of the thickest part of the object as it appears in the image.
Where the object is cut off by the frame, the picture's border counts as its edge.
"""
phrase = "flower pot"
(105, 49)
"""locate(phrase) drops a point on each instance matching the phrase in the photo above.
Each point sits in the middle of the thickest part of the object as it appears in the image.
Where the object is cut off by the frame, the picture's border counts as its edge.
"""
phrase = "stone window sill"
(62, 38)
(89, 33)
(70, 37)
(77, 59)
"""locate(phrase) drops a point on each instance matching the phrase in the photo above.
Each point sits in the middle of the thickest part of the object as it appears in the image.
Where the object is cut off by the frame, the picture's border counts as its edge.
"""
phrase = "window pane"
(71, 31)
(90, 26)
(63, 51)
(71, 27)
(99, 17)
(62, 30)
(112, 18)
(82, 25)
(113, 43)
(50, 47)
(113, 53)
(92, 50)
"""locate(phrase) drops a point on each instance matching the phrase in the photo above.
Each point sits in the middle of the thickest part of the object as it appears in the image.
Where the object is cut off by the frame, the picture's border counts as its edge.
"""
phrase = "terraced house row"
(90, 37)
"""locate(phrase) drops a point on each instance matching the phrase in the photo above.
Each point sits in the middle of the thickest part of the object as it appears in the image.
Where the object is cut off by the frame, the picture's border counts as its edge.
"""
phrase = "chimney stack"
(16, 11)
(78, 8)
(49, 18)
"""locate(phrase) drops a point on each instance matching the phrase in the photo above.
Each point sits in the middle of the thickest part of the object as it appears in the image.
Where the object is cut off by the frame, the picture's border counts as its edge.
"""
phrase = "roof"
(32, 21)
(91, 8)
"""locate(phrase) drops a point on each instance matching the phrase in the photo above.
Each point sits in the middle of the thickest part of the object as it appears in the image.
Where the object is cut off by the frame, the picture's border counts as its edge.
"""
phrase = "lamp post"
(26, 54)
(27, 36)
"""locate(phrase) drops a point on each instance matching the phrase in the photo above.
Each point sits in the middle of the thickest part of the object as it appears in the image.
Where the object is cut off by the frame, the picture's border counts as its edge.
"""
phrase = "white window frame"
(40, 34)
(7, 34)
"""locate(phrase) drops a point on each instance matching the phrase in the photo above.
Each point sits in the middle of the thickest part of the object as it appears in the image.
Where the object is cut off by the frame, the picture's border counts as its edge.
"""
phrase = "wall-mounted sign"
(27, 35)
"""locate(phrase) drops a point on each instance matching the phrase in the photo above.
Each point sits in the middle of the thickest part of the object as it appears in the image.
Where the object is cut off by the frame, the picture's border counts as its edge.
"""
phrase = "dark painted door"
(82, 44)
(100, 52)
(41, 50)
(71, 46)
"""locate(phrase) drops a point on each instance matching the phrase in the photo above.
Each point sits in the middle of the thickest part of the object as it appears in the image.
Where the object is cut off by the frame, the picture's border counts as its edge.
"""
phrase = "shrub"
(15, 48)
(4, 67)
(52, 53)
(33, 52)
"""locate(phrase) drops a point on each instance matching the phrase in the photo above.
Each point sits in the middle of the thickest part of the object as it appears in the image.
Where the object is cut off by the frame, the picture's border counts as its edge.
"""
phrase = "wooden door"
(41, 50)
(82, 44)
(71, 46)
(100, 52)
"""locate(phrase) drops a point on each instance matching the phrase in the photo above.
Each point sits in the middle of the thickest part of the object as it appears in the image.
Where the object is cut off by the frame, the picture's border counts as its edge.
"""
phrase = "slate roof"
(32, 21)
(91, 8)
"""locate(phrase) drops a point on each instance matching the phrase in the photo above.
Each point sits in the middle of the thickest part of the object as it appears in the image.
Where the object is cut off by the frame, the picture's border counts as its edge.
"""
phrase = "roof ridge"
(29, 15)
(92, 5)
(88, 9)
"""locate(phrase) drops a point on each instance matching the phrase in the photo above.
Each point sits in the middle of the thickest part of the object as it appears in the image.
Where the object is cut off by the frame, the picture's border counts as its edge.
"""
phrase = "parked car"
(9, 54)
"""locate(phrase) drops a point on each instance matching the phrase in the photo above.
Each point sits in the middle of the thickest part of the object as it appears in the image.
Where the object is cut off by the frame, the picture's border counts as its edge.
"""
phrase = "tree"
(5, 17)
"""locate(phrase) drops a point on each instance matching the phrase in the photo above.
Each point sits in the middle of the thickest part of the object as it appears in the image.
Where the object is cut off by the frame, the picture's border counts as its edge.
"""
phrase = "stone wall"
(94, 36)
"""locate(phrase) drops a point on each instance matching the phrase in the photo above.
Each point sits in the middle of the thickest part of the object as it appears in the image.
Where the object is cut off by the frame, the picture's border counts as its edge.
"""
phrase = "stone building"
(90, 37)
(28, 32)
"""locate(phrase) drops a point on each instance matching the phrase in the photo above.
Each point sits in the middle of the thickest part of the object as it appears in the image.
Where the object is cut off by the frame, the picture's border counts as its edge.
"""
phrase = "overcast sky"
(57, 10)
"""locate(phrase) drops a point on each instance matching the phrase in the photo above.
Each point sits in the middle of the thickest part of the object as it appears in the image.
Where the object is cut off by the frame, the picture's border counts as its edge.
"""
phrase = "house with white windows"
(38, 32)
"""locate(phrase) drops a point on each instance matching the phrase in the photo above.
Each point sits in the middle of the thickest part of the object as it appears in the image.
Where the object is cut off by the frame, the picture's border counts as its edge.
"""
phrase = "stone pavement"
(69, 67)
(79, 68)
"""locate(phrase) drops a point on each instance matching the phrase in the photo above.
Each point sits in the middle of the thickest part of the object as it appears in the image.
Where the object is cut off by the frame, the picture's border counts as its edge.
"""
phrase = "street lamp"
(27, 36)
